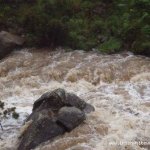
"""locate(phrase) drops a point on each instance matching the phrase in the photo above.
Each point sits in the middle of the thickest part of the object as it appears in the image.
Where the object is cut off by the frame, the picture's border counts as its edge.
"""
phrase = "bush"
(110, 46)
(6, 112)
(80, 24)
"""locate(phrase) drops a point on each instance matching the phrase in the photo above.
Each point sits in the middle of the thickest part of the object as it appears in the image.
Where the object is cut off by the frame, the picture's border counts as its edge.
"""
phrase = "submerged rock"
(8, 42)
(54, 113)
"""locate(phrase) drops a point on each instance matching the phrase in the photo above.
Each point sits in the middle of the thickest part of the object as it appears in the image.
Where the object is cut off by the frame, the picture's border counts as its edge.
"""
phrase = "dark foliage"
(107, 25)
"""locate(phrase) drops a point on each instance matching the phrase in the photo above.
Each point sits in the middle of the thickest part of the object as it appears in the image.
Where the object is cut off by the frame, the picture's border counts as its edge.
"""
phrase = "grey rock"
(54, 113)
(36, 115)
(59, 98)
(53, 100)
(74, 100)
(70, 117)
(40, 130)
(8, 42)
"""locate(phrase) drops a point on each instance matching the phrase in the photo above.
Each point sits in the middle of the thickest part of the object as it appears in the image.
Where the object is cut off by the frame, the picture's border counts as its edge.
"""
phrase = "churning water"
(117, 85)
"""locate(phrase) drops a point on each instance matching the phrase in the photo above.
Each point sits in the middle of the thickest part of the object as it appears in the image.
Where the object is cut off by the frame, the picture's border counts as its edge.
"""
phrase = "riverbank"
(108, 26)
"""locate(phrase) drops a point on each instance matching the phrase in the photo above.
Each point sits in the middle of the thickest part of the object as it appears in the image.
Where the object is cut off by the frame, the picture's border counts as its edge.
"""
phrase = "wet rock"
(59, 98)
(74, 100)
(40, 130)
(53, 100)
(70, 117)
(54, 113)
(8, 42)
(38, 113)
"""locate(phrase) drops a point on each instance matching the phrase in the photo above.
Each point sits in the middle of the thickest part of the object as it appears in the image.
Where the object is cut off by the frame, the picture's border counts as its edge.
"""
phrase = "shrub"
(6, 112)
(110, 46)
(80, 24)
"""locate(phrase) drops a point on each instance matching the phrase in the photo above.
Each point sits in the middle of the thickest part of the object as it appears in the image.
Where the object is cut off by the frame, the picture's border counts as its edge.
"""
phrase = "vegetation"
(107, 25)
(6, 112)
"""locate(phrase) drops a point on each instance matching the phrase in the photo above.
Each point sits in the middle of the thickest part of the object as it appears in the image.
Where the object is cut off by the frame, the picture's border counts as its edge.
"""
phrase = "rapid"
(117, 85)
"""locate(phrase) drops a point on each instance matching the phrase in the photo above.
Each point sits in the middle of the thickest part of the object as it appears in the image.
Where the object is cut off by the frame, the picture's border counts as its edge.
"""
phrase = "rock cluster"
(54, 113)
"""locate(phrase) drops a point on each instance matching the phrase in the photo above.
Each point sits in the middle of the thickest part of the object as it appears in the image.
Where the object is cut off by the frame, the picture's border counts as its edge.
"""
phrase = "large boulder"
(54, 113)
(43, 128)
(59, 98)
(8, 42)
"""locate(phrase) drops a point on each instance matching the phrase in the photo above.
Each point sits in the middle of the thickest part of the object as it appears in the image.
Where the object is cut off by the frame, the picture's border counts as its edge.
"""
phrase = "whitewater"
(117, 85)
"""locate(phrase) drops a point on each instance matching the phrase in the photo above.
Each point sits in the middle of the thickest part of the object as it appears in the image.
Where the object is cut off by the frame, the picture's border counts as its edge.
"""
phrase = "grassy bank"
(107, 25)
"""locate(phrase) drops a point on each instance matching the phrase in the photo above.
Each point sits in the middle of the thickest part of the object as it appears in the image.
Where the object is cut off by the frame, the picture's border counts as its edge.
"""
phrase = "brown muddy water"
(117, 85)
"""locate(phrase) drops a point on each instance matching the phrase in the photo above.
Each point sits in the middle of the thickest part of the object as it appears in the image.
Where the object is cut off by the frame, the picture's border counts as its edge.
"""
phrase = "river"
(118, 86)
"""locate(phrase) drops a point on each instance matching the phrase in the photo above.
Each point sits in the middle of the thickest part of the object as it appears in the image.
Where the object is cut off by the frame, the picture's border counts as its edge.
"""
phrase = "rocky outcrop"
(54, 113)
(8, 42)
